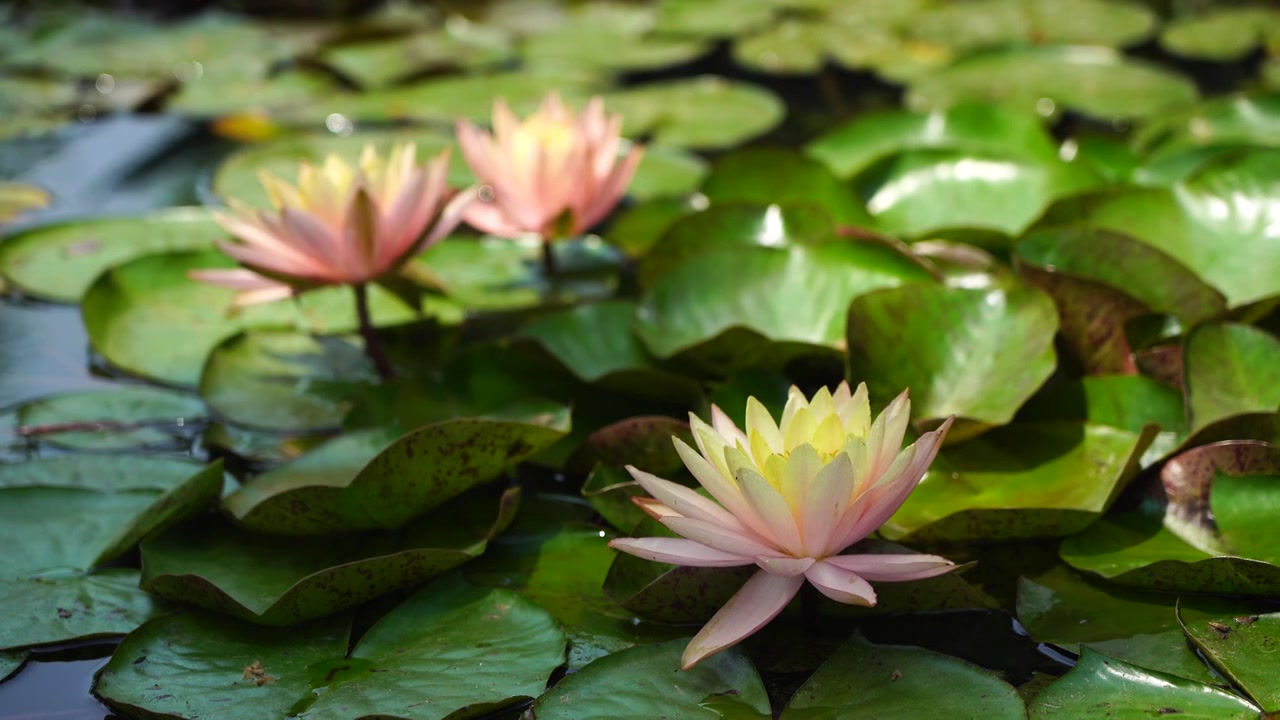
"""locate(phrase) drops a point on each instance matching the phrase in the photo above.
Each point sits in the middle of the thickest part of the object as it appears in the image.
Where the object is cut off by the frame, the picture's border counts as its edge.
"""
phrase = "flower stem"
(372, 346)
(548, 260)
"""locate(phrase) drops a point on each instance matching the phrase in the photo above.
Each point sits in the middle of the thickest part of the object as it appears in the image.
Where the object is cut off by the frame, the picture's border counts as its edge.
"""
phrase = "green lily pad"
(493, 273)
(1099, 684)
(1128, 402)
(1092, 318)
(711, 18)
(890, 682)
(1020, 482)
(1241, 645)
(1134, 548)
(129, 46)
(116, 419)
(275, 580)
(381, 479)
(997, 23)
(296, 95)
(97, 517)
(471, 96)
(978, 354)
(438, 645)
(60, 262)
(1209, 221)
(646, 682)
(1221, 34)
(593, 341)
(1244, 507)
(10, 662)
(1188, 479)
(1064, 608)
(147, 317)
(1095, 81)
(612, 38)
(810, 287)
(385, 62)
(53, 610)
(919, 192)
(706, 112)
(644, 442)
(17, 198)
(1231, 369)
(634, 230)
(553, 557)
(666, 172)
(69, 515)
(1159, 281)
(612, 491)
(238, 176)
(968, 127)
(732, 226)
(285, 381)
(774, 176)
(792, 46)
(1222, 122)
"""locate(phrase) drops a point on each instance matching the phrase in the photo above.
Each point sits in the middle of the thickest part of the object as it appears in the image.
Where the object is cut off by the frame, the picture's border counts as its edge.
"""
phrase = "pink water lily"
(789, 498)
(555, 174)
(341, 225)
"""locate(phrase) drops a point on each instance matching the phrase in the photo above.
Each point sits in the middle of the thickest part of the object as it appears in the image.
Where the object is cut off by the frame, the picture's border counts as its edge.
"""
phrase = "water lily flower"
(789, 498)
(555, 174)
(341, 225)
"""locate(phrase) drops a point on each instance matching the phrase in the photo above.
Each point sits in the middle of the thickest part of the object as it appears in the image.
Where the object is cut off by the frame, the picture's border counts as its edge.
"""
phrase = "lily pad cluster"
(271, 529)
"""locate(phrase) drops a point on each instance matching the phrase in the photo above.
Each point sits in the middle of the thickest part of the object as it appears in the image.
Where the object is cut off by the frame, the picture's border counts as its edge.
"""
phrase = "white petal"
(720, 538)
(678, 551)
(684, 500)
(772, 508)
(893, 568)
(785, 566)
(840, 584)
(751, 608)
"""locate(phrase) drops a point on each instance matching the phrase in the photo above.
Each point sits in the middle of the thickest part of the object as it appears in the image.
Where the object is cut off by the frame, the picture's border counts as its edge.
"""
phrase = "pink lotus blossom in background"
(555, 174)
(341, 225)
(789, 498)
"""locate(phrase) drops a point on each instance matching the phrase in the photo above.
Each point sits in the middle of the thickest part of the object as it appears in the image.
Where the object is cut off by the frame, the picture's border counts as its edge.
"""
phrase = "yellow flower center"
(551, 137)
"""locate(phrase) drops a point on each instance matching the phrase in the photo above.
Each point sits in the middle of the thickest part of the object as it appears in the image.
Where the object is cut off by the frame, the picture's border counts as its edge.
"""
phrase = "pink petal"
(893, 568)
(448, 220)
(477, 149)
(654, 508)
(331, 252)
(840, 584)
(882, 502)
(260, 258)
(751, 608)
(828, 500)
(685, 501)
(489, 217)
(610, 191)
(785, 566)
(885, 438)
(772, 508)
(251, 288)
(264, 242)
(718, 537)
(727, 429)
(723, 490)
(678, 551)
